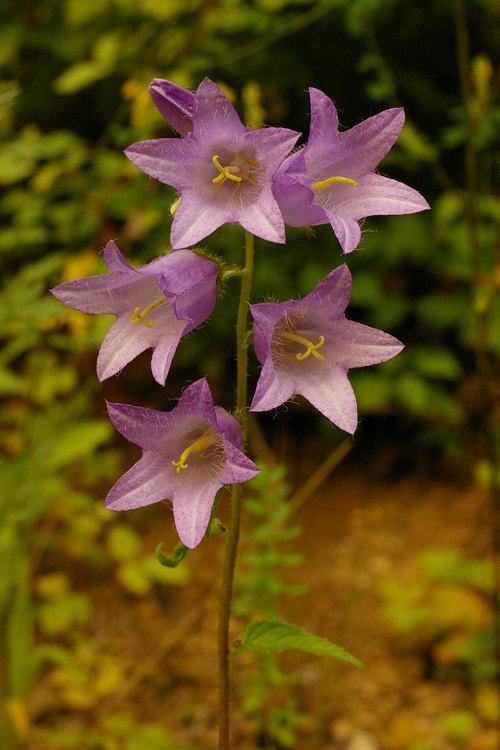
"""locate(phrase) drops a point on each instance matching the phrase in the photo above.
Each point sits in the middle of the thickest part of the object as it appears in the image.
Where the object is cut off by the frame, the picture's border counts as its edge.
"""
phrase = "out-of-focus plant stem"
(480, 305)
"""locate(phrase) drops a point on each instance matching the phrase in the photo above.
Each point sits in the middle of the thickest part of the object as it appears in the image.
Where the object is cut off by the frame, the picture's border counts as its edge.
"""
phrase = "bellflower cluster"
(225, 172)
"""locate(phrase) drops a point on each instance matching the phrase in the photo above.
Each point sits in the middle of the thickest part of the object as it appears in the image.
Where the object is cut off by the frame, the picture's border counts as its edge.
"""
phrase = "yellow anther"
(140, 317)
(310, 347)
(174, 206)
(196, 447)
(226, 173)
(322, 184)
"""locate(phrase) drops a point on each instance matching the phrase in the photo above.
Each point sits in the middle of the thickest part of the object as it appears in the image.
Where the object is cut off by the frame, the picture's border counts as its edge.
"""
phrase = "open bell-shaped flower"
(333, 179)
(307, 346)
(189, 453)
(222, 170)
(155, 305)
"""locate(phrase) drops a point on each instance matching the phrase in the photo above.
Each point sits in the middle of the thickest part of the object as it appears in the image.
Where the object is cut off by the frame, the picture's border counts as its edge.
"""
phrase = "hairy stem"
(234, 530)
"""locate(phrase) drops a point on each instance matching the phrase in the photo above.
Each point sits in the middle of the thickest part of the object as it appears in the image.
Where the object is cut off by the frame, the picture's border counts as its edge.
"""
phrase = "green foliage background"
(73, 94)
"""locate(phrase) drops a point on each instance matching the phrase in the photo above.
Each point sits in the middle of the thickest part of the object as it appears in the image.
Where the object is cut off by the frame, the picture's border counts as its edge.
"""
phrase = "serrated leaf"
(275, 635)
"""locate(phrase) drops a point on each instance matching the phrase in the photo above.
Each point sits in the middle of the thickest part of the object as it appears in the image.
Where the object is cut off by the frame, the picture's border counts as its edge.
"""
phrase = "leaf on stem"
(275, 635)
(178, 554)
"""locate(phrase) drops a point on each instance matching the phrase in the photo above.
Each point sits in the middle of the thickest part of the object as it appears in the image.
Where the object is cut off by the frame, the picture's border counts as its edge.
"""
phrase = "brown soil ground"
(356, 530)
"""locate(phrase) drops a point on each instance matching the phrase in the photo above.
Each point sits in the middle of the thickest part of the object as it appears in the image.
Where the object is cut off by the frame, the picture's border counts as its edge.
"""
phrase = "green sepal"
(178, 555)
(214, 525)
(275, 635)
(217, 527)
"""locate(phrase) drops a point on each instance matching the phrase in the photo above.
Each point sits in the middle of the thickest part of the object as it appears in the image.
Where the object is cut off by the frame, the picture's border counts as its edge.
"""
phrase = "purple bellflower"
(332, 179)
(189, 453)
(174, 102)
(221, 170)
(308, 345)
(155, 305)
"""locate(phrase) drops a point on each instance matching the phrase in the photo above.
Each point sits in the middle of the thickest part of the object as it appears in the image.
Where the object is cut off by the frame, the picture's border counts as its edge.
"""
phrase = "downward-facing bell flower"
(307, 346)
(189, 453)
(333, 180)
(155, 305)
(222, 170)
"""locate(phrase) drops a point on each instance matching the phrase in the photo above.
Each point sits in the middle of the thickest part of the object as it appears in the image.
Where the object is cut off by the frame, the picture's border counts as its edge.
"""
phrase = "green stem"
(234, 530)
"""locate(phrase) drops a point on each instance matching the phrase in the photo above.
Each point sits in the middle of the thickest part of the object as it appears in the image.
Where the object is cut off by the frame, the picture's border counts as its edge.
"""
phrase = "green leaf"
(123, 543)
(80, 75)
(276, 635)
(178, 554)
(166, 576)
(134, 578)
(78, 441)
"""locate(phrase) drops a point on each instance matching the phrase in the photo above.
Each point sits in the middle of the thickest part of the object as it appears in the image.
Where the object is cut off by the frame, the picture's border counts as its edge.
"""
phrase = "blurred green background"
(73, 94)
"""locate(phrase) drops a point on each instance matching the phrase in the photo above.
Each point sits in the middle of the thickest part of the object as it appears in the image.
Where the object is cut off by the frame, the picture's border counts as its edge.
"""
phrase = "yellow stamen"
(140, 317)
(196, 447)
(226, 173)
(310, 347)
(322, 184)
(174, 206)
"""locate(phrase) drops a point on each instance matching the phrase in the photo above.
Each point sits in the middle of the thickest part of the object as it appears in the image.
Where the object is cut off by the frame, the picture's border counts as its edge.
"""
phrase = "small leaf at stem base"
(178, 554)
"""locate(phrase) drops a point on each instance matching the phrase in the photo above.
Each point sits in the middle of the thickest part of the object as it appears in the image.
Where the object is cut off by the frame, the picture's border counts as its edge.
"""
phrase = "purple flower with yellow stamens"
(332, 179)
(174, 102)
(189, 453)
(155, 305)
(307, 346)
(222, 170)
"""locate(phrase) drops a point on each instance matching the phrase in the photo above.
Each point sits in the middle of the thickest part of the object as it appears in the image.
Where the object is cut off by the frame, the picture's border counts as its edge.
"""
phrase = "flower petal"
(357, 345)
(122, 343)
(197, 399)
(194, 219)
(238, 467)
(164, 351)
(147, 428)
(229, 426)
(263, 218)
(190, 283)
(214, 117)
(373, 196)
(192, 506)
(333, 396)
(161, 158)
(143, 484)
(272, 389)
(352, 152)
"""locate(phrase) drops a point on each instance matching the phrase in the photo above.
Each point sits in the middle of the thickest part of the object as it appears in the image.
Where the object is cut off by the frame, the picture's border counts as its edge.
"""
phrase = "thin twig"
(319, 476)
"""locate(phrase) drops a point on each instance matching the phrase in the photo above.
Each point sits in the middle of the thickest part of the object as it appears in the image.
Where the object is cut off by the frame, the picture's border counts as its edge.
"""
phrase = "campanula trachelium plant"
(225, 172)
